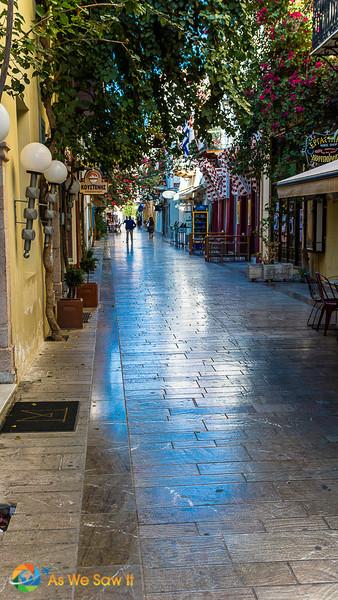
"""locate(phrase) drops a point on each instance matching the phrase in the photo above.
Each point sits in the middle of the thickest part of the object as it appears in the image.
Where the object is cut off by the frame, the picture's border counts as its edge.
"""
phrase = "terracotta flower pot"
(89, 292)
(70, 313)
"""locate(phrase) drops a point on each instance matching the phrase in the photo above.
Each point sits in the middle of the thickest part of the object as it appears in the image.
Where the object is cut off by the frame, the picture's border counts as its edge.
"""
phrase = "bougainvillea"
(291, 92)
(138, 183)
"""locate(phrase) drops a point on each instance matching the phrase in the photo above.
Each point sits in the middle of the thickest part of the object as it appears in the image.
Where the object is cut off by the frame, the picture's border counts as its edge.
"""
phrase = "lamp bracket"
(32, 192)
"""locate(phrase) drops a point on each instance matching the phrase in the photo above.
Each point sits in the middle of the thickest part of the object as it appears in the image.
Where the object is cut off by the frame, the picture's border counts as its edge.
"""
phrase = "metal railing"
(179, 236)
(220, 247)
(325, 21)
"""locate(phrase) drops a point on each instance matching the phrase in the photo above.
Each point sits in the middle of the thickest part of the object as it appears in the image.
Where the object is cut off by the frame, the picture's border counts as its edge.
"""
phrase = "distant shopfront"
(307, 221)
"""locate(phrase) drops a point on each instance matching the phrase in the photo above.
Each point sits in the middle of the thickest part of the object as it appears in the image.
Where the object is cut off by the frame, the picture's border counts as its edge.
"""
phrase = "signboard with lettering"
(321, 148)
(93, 183)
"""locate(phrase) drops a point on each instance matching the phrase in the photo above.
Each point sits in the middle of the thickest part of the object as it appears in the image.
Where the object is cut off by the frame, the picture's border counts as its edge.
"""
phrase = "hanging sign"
(93, 183)
(321, 148)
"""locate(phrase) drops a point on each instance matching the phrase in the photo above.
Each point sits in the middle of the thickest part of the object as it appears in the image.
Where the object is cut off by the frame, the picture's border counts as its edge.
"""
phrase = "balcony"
(325, 28)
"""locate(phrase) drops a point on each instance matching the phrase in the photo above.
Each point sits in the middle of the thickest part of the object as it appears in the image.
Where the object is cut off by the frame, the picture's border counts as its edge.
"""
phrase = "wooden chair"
(315, 297)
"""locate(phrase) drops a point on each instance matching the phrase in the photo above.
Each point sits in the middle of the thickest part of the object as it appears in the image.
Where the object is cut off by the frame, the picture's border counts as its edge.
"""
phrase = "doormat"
(6, 513)
(35, 417)
(86, 316)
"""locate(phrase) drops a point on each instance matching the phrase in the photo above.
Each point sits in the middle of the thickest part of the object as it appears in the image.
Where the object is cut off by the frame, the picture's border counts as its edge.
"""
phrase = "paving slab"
(204, 463)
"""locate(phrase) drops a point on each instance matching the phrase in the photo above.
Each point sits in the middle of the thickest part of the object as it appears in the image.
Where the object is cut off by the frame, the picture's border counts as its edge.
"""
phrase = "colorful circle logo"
(26, 578)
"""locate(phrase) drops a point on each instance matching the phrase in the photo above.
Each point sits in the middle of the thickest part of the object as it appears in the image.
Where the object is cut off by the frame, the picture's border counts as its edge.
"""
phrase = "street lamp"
(35, 158)
(55, 175)
(4, 123)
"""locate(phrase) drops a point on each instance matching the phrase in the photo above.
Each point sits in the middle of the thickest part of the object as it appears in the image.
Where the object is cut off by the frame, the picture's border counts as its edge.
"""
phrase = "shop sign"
(93, 183)
(321, 148)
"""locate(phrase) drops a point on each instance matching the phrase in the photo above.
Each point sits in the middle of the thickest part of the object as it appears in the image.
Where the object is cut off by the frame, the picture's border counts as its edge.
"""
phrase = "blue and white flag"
(189, 136)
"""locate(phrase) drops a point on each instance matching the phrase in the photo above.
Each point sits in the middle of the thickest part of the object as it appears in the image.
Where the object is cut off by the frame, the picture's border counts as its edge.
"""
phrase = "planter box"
(275, 272)
(70, 313)
(89, 292)
(255, 271)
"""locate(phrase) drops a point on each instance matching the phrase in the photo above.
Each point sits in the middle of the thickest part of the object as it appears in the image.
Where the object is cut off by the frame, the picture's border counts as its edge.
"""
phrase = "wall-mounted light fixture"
(72, 188)
(35, 158)
(4, 123)
(55, 175)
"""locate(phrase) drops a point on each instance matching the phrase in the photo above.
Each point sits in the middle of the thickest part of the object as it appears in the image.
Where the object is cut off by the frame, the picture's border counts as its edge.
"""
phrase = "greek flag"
(189, 136)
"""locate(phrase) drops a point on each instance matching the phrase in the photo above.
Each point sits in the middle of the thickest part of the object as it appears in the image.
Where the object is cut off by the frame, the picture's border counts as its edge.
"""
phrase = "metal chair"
(315, 297)
(329, 296)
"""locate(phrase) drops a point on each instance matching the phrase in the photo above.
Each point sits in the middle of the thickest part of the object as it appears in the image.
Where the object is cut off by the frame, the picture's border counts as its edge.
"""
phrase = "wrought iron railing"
(220, 247)
(325, 21)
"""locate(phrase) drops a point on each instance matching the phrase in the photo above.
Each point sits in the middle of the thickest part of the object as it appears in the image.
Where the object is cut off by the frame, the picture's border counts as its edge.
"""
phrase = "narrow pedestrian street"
(209, 467)
(228, 403)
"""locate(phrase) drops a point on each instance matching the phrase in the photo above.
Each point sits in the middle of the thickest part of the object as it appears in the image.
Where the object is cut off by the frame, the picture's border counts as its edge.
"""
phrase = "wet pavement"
(205, 462)
(228, 405)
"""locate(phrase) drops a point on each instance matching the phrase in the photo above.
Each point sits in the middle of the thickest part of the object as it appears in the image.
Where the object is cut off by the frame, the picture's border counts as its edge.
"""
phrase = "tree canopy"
(118, 78)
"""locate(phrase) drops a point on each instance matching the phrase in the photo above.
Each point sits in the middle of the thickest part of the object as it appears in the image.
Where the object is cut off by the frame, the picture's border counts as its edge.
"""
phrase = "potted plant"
(70, 309)
(88, 291)
(267, 268)
(100, 226)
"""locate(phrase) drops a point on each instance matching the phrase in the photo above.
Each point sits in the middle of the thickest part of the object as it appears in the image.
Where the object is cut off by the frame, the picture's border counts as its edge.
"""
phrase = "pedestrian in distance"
(151, 227)
(130, 226)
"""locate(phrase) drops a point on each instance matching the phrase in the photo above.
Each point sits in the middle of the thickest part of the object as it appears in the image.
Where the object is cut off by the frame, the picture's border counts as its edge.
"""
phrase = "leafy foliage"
(88, 263)
(290, 91)
(118, 78)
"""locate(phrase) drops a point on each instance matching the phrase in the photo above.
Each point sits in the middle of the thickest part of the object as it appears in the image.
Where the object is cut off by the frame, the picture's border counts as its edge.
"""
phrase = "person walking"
(151, 227)
(130, 226)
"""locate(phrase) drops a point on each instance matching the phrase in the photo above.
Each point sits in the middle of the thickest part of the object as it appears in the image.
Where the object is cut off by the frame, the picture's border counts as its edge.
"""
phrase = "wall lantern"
(72, 188)
(35, 158)
(4, 123)
(55, 175)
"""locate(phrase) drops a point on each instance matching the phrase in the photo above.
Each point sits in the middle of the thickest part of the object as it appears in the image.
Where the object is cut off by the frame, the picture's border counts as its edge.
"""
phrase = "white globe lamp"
(35, 157)
(4, 123)
(168, 194)
(56, 173)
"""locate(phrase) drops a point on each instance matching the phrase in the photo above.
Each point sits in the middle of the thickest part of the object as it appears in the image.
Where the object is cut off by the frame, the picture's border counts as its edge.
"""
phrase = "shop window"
(315, 225)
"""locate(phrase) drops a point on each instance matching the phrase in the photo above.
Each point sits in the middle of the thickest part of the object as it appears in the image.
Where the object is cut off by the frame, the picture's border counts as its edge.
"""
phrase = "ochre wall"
(27, 296)
(327, 262)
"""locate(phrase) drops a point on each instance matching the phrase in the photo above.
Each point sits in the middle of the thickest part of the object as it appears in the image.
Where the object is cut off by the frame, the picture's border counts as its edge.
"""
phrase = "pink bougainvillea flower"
(291, 54)
(318, 64)
(285, 114)
(261, 16)
(299, 109)
(296, 15)
(293, 97)
(262, 97)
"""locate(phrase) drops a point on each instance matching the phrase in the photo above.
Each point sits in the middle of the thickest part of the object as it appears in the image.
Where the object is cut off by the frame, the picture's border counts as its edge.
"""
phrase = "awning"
(321, 180)
(190, 192)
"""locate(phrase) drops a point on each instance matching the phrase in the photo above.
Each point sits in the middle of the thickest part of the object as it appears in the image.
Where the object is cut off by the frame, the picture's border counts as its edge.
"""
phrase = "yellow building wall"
(327, 262)
(27, 294)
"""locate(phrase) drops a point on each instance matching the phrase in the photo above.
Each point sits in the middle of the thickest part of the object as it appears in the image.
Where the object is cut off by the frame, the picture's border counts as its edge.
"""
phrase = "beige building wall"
(27, 324)
(327, 262)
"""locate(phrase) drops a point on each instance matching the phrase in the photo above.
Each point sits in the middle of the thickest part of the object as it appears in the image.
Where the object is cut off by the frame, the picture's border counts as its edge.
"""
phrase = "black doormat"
(31, 417)
(6, 513)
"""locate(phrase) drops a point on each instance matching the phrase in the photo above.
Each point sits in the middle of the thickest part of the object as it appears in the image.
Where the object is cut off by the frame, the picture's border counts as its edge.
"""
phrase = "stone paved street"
(211, 470)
